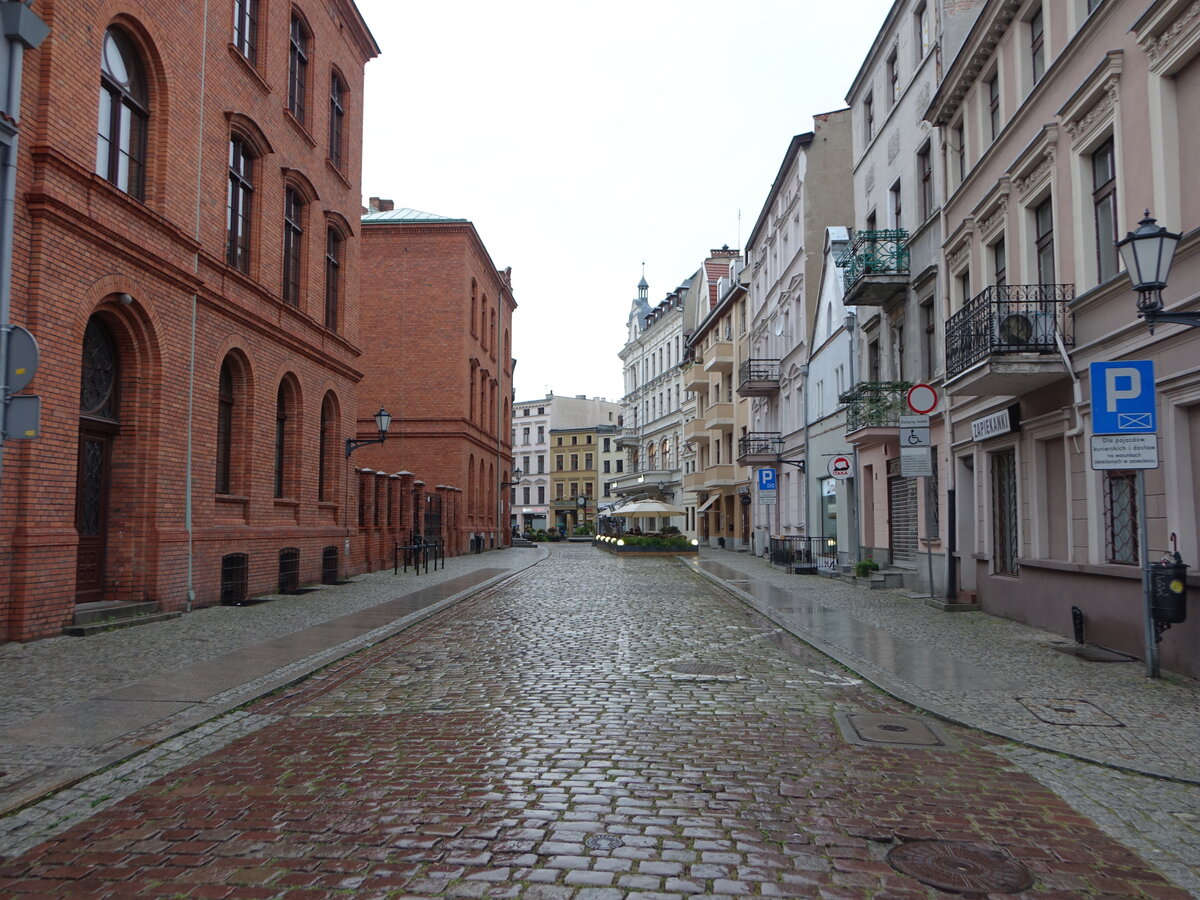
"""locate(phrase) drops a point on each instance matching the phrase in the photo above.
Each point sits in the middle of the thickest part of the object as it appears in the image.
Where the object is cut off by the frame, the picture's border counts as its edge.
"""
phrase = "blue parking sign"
(766, 479)
(1123, 399)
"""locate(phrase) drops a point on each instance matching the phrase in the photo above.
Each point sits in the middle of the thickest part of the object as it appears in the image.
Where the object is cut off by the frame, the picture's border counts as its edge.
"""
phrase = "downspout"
(502, 527)
(852, 502)
(22, 29)
(188, 473)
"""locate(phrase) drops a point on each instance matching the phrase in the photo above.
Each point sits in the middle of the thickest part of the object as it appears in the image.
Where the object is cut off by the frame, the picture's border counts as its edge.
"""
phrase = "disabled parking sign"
(1123, 398)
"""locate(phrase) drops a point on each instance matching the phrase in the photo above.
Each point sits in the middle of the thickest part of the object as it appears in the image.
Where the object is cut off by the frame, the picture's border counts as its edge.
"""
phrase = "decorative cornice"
(1165, 47)
(1095, 102)
(1032, 171)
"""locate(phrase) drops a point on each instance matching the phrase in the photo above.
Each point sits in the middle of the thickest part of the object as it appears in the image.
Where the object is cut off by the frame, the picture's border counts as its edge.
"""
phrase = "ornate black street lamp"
(1147, 254)
(383, 419)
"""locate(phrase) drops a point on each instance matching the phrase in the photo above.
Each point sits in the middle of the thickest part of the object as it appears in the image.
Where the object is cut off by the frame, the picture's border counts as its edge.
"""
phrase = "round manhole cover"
(961, 867)
(603, 842)
(700, 669)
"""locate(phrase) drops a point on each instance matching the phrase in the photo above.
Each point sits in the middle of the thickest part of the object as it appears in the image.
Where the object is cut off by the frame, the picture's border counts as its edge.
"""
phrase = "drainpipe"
(188, 465)
(22, 29)
(853, 498)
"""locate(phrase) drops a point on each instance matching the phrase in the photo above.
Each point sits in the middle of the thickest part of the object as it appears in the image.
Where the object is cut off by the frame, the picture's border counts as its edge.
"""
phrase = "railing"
(758, 370)
(761, 443)
(875, 404)
(874, 253)
(803, 554)
(1009, 318)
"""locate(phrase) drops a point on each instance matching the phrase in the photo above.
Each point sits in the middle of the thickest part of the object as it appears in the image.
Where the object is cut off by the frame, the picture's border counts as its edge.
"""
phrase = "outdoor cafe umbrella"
(644, 509)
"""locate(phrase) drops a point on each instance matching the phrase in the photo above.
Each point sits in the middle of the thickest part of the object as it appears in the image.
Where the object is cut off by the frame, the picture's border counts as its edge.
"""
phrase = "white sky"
(582, 139)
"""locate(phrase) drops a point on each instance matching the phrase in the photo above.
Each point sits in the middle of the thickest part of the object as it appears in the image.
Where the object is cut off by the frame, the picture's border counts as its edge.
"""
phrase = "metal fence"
(803, 554)
(1009, 318)
(879, 252)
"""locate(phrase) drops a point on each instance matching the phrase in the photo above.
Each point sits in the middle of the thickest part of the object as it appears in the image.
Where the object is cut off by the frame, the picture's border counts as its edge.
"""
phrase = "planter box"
(637, 550)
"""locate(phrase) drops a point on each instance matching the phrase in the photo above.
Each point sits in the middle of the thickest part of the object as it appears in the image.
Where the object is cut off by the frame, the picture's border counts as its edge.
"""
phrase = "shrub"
(865, 567)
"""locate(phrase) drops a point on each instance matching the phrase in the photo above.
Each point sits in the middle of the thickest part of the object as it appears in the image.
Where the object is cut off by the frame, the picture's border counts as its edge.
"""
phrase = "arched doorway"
(98, 429)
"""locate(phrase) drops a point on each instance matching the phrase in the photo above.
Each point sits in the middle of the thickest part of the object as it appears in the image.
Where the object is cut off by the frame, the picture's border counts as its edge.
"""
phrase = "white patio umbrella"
(645, 509)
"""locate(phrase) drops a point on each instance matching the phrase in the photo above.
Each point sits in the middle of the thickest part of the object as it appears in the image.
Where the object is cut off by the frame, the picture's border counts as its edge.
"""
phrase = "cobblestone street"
(592, 728)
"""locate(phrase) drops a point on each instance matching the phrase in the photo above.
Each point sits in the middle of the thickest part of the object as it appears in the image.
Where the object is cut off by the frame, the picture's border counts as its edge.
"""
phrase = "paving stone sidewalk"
(979, 670)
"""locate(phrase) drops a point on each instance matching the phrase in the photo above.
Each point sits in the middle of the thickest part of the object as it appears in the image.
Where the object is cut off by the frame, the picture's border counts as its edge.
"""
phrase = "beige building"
(1062, 121)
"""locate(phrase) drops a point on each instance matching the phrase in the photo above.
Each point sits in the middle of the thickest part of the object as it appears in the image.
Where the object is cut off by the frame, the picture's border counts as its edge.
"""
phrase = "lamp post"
(516, 474)
(1147, 254)
(383, 419)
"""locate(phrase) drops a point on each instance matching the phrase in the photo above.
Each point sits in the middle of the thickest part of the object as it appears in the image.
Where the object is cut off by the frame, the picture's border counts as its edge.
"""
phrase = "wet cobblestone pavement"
(592, 729)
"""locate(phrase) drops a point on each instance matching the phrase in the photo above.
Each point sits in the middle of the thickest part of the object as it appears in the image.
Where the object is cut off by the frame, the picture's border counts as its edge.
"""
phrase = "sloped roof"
(405, 214)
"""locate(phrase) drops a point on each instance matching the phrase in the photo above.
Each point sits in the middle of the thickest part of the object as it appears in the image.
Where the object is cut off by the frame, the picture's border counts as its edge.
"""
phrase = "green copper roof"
(405, 214)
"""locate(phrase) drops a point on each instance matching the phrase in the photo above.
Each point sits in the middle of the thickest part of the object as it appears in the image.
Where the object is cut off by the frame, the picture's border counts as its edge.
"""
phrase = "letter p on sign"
(1121, 384)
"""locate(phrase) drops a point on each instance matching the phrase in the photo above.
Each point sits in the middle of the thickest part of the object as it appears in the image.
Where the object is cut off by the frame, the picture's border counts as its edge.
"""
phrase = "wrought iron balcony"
(1005, 339)
(876, 267)
(758, 378)
(760, 447)
(875, 404)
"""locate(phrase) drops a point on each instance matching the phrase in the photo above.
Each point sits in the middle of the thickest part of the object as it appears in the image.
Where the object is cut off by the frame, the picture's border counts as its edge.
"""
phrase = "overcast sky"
(582, 139)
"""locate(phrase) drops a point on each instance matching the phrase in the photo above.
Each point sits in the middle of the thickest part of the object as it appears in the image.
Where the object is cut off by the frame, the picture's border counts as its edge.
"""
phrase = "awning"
(709, 502)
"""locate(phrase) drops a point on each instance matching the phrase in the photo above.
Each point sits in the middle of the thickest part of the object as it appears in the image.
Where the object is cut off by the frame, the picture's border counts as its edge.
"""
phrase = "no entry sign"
(922, 399)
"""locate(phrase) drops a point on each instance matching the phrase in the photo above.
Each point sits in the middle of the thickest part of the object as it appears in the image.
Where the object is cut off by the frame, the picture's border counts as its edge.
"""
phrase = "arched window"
(225, 402)
(293, 241)
(298, 69)
(238, 206)
(245, 28)
(333, 277)
(474, 304)
(337, 119)
(124, 112)
(285, 443)
(326, 448)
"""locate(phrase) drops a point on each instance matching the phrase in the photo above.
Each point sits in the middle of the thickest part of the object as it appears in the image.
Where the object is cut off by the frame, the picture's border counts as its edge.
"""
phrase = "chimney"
(373, 204)
(379, 205)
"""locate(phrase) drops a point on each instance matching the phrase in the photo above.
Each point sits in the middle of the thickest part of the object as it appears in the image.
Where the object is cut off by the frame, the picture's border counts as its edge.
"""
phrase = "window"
(333, 277)
(241, 195)
(588, 461)
(225, 401)
(929, 349)
(525, 496)
(958, 151)
(558, 462)
(541, 434)
(607, 466)
(999, 262)
(124, 113)
(293, 231)
(245, 28)
(932, 513)
(925, 175)
(559, 489)
(869, 117)
(1120, 517)
(895, 199)
(337, 119)
(921, 37)
(281, 440)
(893, 79)
(541, 463)
(326, 447)
(964, 285)
(620, 466)
(1104, 204)
(993, 94)
(1037, 48)
(574, 462)
(525, 435)
(298, 69)
(1043, 217)
(541, 493)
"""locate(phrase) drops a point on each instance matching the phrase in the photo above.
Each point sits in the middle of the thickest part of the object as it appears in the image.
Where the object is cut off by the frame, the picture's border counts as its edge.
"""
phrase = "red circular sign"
(922, 399)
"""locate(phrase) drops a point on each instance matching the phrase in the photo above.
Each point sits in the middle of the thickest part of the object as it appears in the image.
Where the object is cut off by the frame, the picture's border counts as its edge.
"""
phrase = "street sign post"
(1124, 451)
(767, 479)
(921, 399)
(914, 431)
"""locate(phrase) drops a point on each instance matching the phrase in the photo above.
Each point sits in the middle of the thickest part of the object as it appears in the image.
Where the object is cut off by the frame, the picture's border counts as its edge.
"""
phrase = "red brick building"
(190, 271)
(439, 358)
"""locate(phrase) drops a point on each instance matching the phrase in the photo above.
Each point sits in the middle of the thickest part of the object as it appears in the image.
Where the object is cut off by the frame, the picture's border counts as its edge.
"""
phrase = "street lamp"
(383, 419)
(516, 474)
(1147, 254)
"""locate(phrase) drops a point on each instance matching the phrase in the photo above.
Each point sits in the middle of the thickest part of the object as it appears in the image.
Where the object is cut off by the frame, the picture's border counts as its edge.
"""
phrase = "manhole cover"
(603, 842)
(960, 867)
(700, 669)
(872, 729)
(1069, 711)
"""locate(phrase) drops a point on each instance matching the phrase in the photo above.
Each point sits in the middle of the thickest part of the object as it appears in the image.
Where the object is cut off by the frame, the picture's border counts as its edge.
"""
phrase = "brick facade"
(439, 358)
(152, 269)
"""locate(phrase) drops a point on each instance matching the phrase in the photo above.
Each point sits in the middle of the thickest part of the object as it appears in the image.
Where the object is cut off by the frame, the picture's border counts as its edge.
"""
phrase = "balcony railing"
(757, 445)
(875, 404)
(758, 377)
(874, 253)
(1009, 318)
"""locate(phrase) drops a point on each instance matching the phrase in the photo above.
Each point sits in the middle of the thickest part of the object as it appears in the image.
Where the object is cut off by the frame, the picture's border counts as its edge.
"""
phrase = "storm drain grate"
(960, 867)
(875, 730)
(603, 842)
(699, 668)
(1069, 711)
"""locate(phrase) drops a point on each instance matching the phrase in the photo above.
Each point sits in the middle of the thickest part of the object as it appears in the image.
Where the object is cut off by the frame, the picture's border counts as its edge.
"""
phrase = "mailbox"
(1168, 592)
